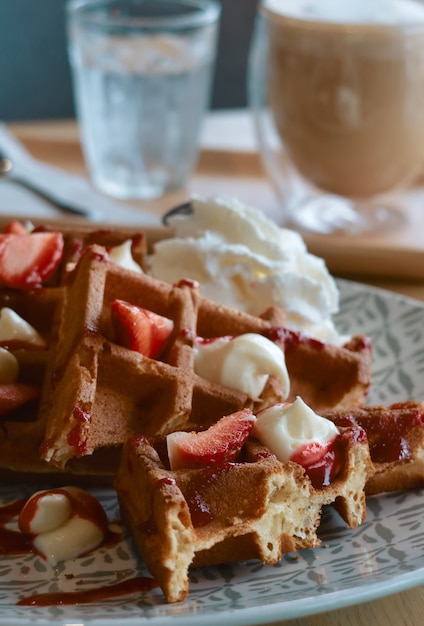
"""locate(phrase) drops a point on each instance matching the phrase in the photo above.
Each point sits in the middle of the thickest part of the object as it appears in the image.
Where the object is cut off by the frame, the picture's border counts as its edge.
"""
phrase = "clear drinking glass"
(337, 93)
(142, 73)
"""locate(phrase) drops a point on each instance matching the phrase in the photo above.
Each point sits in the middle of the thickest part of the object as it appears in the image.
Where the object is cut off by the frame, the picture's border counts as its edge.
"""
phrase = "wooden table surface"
(241, 175)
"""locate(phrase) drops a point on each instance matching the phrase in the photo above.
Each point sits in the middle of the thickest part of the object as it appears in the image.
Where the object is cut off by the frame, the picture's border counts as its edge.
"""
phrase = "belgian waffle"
(101, 393)
(257, 507)
(23, 430)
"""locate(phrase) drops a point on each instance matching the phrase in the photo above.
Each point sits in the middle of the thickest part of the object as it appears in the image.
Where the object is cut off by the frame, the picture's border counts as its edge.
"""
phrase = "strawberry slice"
(140, 329)
(27, 260)
(14, 395)
(219, 444)
(320, 461)
(15, 227)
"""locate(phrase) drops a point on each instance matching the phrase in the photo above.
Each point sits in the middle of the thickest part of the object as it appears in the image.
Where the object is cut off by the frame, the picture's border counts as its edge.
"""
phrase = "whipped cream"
(244, 362)
(122, 255)
(287, 428)
(14, 328)
(244, 260)
(9, 367)
(63, 523)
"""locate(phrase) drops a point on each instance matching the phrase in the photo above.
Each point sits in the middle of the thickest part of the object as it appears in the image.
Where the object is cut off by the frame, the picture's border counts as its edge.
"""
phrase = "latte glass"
(337, 93)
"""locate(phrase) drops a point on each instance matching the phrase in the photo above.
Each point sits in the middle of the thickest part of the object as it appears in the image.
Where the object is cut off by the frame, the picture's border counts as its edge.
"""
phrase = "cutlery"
(10, 171)
(182, 209)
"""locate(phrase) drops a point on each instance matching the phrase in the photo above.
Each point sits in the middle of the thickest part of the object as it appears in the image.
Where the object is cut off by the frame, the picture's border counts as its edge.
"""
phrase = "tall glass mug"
(337, 92)
(142, 72)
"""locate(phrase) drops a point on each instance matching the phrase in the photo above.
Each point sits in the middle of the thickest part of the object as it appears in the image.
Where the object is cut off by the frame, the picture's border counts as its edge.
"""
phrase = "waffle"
(23, 430)
(256, 508)
(396, 440)
(101, 393)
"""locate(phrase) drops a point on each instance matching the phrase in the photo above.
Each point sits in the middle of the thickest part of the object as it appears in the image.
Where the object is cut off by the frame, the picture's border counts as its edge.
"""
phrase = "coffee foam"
(391, 12)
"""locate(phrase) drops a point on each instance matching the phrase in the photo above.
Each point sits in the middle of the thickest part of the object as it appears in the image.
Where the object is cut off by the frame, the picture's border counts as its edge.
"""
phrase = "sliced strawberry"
(14, 395)
(320, 460)
(16, 228)
(139, 329)
(219, 444)
(28, 260)
(310, 453)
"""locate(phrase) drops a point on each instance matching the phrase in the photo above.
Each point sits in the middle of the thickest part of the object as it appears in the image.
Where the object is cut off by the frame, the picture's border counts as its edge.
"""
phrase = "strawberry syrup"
(387, 433)
(323, 470)
(14, 543)
(125, 587)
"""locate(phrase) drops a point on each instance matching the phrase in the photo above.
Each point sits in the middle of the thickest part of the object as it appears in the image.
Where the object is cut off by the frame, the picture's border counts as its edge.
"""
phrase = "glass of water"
(142, 73)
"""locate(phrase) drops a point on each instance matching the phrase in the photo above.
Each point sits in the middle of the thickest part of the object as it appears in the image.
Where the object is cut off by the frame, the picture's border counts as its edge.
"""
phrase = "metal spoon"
(182, 209)
(9, 171)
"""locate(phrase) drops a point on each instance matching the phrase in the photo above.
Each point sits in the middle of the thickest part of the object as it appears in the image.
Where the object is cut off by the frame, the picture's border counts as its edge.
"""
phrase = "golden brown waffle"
(23, 430)
(256, 508)
(396, 440)
(102, 393)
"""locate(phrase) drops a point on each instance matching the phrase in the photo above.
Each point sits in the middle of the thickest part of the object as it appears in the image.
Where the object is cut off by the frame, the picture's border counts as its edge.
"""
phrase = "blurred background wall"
(34, 72)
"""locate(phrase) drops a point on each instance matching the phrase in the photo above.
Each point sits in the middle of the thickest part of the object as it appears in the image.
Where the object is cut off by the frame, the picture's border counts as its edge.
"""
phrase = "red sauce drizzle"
(125, 587)
(188, 334)
(196, 494)
(13, 543)
(322, 471)
(292, 338)
(74, 437)
(83, 504)
(387, 432)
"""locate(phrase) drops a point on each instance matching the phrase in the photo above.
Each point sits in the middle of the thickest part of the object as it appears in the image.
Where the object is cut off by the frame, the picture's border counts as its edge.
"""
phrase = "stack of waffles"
(103, 413)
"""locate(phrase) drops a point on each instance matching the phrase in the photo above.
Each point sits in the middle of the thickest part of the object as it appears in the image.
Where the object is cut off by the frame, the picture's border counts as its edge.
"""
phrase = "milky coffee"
(346, 87)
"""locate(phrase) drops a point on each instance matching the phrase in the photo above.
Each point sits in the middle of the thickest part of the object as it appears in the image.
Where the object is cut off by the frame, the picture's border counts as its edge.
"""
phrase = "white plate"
(383, 556)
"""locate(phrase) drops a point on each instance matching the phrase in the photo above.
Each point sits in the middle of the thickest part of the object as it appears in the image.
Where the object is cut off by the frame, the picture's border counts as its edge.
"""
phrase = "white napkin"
(18, 201)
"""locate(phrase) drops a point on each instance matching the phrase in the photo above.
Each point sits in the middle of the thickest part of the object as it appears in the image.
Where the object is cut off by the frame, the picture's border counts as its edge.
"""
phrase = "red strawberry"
(28, 260)
(14, 395)
(139, 329)
(15, 227)
(219, 444)
(320, 462)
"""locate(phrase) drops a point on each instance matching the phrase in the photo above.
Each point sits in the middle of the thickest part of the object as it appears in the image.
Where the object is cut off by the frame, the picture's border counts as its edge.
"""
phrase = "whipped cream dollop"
(244, 260)
(122, 256)
(14, 328)
(287, 428)
(63, 523)
(244, 362)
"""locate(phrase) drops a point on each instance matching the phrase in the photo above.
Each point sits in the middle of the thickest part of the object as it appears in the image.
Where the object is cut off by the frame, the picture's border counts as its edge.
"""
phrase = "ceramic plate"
(383, 556)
